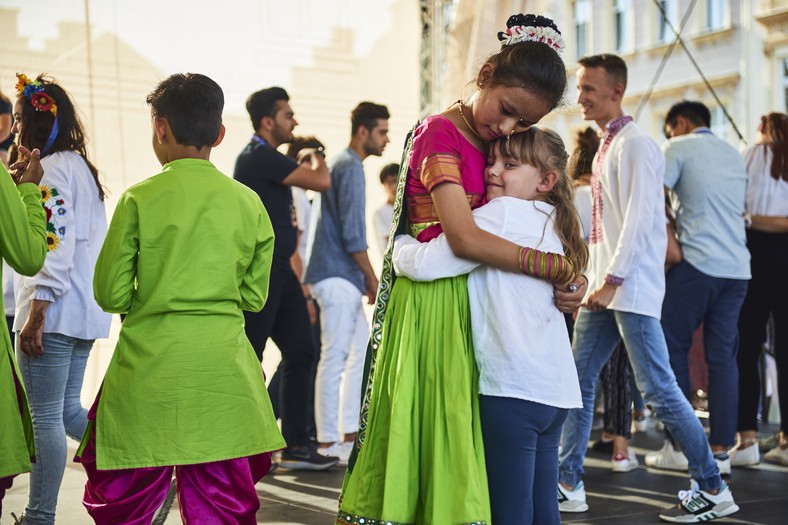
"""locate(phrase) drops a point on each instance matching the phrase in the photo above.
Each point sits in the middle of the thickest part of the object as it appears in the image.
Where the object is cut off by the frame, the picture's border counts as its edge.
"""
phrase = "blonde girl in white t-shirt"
(527, 376)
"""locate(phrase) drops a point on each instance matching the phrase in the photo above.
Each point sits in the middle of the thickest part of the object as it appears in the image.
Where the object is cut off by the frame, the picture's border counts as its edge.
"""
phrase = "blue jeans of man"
(53, 382)
(596, 336)
(692, 298)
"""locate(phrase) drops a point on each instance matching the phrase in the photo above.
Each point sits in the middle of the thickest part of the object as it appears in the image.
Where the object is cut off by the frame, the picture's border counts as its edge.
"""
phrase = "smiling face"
(506, 176)
(598, 96)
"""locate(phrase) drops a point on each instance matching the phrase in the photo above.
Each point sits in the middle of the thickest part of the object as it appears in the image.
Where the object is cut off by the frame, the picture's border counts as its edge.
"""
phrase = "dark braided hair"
(533, 66)
(528, 20)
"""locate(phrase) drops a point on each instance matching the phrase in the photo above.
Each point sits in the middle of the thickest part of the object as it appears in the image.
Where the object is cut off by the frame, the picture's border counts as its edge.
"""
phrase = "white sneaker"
(625, 462)
(572, 500)
(341, 450)
(745, 457)
(723, 461)
(639, 423)
(667, 458)
(697, 505)
(776, 455)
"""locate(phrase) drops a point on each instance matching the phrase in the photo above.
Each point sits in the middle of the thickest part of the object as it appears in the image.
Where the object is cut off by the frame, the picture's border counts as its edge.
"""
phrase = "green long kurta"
(186, 251)
(23, 245)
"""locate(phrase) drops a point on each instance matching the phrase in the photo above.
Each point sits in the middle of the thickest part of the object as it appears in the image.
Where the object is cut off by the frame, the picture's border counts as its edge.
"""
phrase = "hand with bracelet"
(569, 288)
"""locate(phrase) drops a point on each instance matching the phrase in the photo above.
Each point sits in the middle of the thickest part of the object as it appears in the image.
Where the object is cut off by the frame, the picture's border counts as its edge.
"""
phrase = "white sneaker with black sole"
(572, 500)
(697, 505)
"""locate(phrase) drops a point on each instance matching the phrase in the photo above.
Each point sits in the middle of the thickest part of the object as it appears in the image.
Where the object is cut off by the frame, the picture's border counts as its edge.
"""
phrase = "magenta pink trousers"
(217, 493)
(8, 481)
(5, 484)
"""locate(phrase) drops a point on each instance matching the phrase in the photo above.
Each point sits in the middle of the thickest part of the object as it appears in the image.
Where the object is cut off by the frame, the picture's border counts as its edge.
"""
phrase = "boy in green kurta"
(187, 250)
(23, 245)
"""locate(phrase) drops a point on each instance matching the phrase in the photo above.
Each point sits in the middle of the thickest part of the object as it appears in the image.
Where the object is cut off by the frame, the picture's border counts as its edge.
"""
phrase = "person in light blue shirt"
(339, 272)
(707, 180)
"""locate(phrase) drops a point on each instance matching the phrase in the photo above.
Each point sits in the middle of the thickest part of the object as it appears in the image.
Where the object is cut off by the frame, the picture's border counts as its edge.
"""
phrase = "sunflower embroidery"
(55, 211)
(53, 241)
(46, 193)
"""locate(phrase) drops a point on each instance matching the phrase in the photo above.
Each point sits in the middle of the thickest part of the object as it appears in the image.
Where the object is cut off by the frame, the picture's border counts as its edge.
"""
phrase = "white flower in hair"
(545, 35)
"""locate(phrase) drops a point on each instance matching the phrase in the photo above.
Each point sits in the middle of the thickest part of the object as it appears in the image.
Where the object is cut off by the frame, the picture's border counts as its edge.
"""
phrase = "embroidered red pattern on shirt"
(613, 127)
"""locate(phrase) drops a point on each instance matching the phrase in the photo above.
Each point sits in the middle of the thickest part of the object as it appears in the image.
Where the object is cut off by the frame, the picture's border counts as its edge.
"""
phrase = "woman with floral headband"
(419, 456)
(57, 318)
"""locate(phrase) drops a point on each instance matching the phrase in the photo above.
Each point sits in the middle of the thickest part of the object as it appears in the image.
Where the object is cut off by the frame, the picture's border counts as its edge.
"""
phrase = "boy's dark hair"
(614, 66)
(263, 104)
(367, 114)
(299, 143)
(695, 112)
(389, 170)
(192, 104)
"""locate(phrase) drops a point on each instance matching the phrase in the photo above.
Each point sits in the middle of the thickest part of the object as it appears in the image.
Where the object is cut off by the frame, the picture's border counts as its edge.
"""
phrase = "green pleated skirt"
(422, 459)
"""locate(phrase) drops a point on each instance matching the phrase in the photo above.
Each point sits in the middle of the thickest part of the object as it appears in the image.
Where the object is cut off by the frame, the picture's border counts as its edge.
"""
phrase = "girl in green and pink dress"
(419, 456)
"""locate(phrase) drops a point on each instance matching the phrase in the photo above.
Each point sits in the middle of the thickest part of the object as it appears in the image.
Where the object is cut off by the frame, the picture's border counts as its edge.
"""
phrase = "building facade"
(737, 48)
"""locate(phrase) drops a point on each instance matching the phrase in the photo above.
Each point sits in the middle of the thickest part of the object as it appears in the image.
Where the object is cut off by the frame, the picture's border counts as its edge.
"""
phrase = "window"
(671, 11)
(622, 26)
(785, 82)
(582, 21)
(716, 14)
(719, 123)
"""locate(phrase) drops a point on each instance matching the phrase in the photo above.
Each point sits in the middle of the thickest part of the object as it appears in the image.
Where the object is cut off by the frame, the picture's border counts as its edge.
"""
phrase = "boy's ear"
(162, 129)
(220, 138)
(547, 181)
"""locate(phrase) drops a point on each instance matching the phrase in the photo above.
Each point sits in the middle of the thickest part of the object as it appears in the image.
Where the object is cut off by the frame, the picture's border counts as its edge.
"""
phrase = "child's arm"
(427, 261)
(254, 286)
(22, 235)
(436, 260)
(116, 267)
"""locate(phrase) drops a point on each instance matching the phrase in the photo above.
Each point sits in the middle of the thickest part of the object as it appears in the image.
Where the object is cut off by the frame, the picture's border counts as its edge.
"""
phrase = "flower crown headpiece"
(530, 28)
(33, 90)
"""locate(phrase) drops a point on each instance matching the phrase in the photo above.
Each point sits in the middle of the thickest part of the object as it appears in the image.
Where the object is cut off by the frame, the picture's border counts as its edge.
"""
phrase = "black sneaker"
(306, 458)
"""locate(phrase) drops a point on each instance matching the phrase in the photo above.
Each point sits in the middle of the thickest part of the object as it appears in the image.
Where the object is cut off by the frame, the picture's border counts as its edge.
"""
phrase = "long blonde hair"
(544, 150)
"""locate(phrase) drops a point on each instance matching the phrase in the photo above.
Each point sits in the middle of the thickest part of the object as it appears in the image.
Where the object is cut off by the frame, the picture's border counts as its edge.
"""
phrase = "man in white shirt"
(707, 182)
(626, 286)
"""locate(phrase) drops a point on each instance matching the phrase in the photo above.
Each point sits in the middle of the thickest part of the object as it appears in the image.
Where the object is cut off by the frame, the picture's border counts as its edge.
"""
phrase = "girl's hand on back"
(567, 300)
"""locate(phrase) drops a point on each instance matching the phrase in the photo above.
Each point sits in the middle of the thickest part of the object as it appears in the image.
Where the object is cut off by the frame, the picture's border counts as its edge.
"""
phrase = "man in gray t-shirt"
(339, 272)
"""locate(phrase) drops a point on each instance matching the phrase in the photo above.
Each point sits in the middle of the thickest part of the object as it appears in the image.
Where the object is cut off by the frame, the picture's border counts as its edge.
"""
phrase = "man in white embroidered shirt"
(625, 291)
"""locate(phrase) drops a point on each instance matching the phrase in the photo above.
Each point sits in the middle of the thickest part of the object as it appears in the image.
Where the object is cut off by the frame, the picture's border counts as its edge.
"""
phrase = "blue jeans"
(521, 451)
(53, 383)
(596, 336)
(692, 298)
